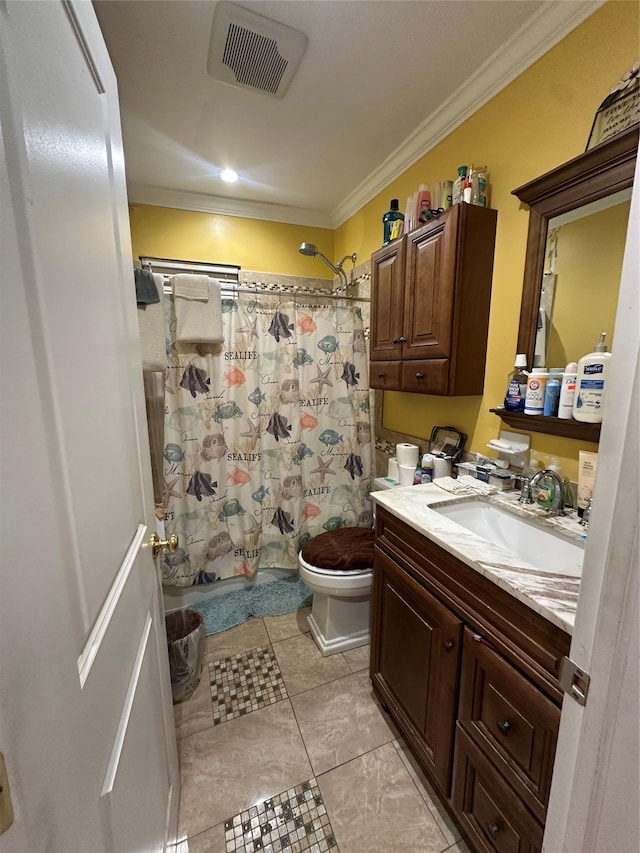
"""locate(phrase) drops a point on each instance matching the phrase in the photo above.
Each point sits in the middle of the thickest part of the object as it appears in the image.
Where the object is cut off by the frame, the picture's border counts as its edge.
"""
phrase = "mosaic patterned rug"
(293, 821)
(221, 612)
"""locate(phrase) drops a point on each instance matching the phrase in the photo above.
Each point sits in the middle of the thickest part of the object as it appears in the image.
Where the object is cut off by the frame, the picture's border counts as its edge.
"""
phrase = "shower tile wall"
(320, 769)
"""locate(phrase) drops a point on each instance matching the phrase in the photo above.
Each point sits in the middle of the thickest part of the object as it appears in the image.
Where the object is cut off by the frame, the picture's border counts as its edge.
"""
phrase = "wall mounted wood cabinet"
(430, 298)
(470, 676)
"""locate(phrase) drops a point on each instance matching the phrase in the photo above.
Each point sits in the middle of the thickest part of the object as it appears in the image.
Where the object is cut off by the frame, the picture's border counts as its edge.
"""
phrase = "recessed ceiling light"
(229, 176)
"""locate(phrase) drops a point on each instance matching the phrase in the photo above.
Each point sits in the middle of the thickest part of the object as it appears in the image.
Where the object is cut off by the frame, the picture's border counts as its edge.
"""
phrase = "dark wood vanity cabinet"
(470, 677)
(418, 663)
(430, 296)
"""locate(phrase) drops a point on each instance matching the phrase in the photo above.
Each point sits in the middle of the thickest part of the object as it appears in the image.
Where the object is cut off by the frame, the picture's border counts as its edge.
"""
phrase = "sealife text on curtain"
(268, 442)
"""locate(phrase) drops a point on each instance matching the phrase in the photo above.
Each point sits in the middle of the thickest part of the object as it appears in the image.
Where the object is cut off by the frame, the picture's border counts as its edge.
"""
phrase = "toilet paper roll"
(405, 474)
(392, 470)
(407, 454)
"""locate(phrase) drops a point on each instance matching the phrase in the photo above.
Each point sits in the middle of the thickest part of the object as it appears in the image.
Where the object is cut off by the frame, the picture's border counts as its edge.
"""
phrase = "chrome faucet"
(586, 515)
(525, 490)
(557, 502)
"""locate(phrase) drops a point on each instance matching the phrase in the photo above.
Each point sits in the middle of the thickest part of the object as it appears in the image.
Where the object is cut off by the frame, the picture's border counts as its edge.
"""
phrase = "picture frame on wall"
(619, 110)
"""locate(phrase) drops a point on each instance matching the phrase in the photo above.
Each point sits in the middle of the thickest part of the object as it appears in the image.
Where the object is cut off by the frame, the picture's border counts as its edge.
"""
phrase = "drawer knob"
(493, 830)
(380, 375)
(504, 727)
(448, 645)
(419, 375)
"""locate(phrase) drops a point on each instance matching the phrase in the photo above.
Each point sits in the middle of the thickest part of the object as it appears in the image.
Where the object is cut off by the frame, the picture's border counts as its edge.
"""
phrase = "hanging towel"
(146, 289)
(198, 307)
(152, 334)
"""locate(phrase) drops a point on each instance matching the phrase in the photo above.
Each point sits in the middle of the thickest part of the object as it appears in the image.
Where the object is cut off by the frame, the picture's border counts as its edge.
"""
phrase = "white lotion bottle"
(591, 378)
(568, 391)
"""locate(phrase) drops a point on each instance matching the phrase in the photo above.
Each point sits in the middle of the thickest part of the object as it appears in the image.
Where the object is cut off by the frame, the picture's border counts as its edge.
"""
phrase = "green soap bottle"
(391, 216)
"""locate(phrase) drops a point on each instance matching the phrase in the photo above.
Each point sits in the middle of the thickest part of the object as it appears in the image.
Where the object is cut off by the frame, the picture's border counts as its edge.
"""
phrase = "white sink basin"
(539, 546)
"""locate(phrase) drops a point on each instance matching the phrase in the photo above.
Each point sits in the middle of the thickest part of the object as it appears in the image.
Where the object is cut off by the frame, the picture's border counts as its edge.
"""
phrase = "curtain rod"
(297, 294)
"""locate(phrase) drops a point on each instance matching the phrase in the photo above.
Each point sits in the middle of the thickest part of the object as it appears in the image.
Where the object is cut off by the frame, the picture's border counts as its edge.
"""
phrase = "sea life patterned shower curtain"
(269, 442)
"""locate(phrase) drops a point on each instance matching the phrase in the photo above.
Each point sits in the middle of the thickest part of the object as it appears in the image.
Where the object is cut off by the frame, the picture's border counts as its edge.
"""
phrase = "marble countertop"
(550, 594)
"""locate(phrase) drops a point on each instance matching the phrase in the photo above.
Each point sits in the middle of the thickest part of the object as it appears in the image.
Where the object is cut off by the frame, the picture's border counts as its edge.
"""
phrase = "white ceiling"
(381, 82)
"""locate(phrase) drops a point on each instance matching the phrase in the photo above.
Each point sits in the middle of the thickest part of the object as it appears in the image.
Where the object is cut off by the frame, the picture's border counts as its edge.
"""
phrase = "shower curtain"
(268, 442)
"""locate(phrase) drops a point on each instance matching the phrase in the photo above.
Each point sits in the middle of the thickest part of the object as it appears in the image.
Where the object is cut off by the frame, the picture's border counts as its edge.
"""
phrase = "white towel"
(464, 486)
(152, 334)
(198, 307)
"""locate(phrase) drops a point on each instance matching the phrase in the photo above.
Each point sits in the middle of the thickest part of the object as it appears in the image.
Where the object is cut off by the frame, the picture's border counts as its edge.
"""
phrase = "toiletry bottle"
(424, 202)
(591, 383)
(536, 387)
(480, 195)
(390, 216)
(408, 216)
(468, 188)
(517, 387)
(552, 393)
(568, 391)
(545, 491)
(428, 464)
(458, 184)
(447, 195)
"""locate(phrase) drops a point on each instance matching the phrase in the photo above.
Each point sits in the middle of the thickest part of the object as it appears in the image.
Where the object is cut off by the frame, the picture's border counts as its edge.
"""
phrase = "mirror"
(581, 278)
(584, 198)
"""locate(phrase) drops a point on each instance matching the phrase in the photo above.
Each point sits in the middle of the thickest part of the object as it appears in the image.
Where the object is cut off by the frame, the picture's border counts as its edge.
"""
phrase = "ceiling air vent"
(250, 51)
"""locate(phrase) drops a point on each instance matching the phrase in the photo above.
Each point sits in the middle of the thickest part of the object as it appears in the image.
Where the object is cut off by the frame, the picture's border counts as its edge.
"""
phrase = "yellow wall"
(253, 244)
(539, 121)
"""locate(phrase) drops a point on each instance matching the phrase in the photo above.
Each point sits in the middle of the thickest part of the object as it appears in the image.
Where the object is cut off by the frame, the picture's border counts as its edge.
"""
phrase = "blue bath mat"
(274, 598)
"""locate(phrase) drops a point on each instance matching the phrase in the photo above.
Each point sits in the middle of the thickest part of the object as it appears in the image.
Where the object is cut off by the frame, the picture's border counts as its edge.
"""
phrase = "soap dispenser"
(591, 383)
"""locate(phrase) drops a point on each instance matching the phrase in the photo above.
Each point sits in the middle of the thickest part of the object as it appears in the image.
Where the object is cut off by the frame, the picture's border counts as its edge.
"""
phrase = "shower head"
(311, 251)
(308, 249)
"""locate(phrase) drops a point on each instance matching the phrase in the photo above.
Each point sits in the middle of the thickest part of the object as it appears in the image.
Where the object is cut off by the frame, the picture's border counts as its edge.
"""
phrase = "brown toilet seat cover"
(348, 549)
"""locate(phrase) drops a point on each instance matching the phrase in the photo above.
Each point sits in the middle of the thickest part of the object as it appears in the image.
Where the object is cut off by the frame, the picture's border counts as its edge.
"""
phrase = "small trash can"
(185, 642)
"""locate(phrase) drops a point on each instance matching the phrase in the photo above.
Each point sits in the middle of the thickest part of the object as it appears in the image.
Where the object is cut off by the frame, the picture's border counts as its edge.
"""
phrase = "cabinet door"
(415, 663)
(387, 297)
(511, 721)
(493, 816)
(430, 288)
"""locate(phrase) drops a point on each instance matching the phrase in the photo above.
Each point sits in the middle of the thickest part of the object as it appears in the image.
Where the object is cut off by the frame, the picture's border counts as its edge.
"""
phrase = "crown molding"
(160, 197)
(549, 25)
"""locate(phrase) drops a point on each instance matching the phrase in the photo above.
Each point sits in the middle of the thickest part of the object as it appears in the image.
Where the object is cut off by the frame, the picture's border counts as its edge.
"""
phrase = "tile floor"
(284, 751)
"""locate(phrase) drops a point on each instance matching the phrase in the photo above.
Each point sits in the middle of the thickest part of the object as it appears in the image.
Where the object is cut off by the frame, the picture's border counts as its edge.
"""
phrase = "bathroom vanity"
(466, 644)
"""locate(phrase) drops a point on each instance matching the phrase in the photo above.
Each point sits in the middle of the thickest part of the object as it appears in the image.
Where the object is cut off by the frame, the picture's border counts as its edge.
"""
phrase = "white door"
(86, 724)
(595, 790)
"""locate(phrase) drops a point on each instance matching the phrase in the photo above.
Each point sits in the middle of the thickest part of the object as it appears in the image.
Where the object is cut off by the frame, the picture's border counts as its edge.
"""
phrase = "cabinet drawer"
(495, 818)
(426, 376)
(510, 720)
(385, 375)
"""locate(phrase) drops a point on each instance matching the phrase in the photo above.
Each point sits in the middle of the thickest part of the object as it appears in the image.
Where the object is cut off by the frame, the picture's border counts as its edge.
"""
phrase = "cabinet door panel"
(416, 661)
(430, 376)
(386, 375)
(430, 282)
(387, 299)
(510, 720)
(491, 813)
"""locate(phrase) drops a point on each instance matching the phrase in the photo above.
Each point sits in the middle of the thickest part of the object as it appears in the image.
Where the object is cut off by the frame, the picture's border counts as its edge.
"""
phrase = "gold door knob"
(158, 544)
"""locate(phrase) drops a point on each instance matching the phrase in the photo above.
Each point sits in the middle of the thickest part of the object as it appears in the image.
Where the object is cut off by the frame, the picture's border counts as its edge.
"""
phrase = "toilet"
(338, 567)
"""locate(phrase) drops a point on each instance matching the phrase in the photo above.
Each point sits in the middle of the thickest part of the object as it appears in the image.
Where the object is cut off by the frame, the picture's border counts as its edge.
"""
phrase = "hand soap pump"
(591, 383)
